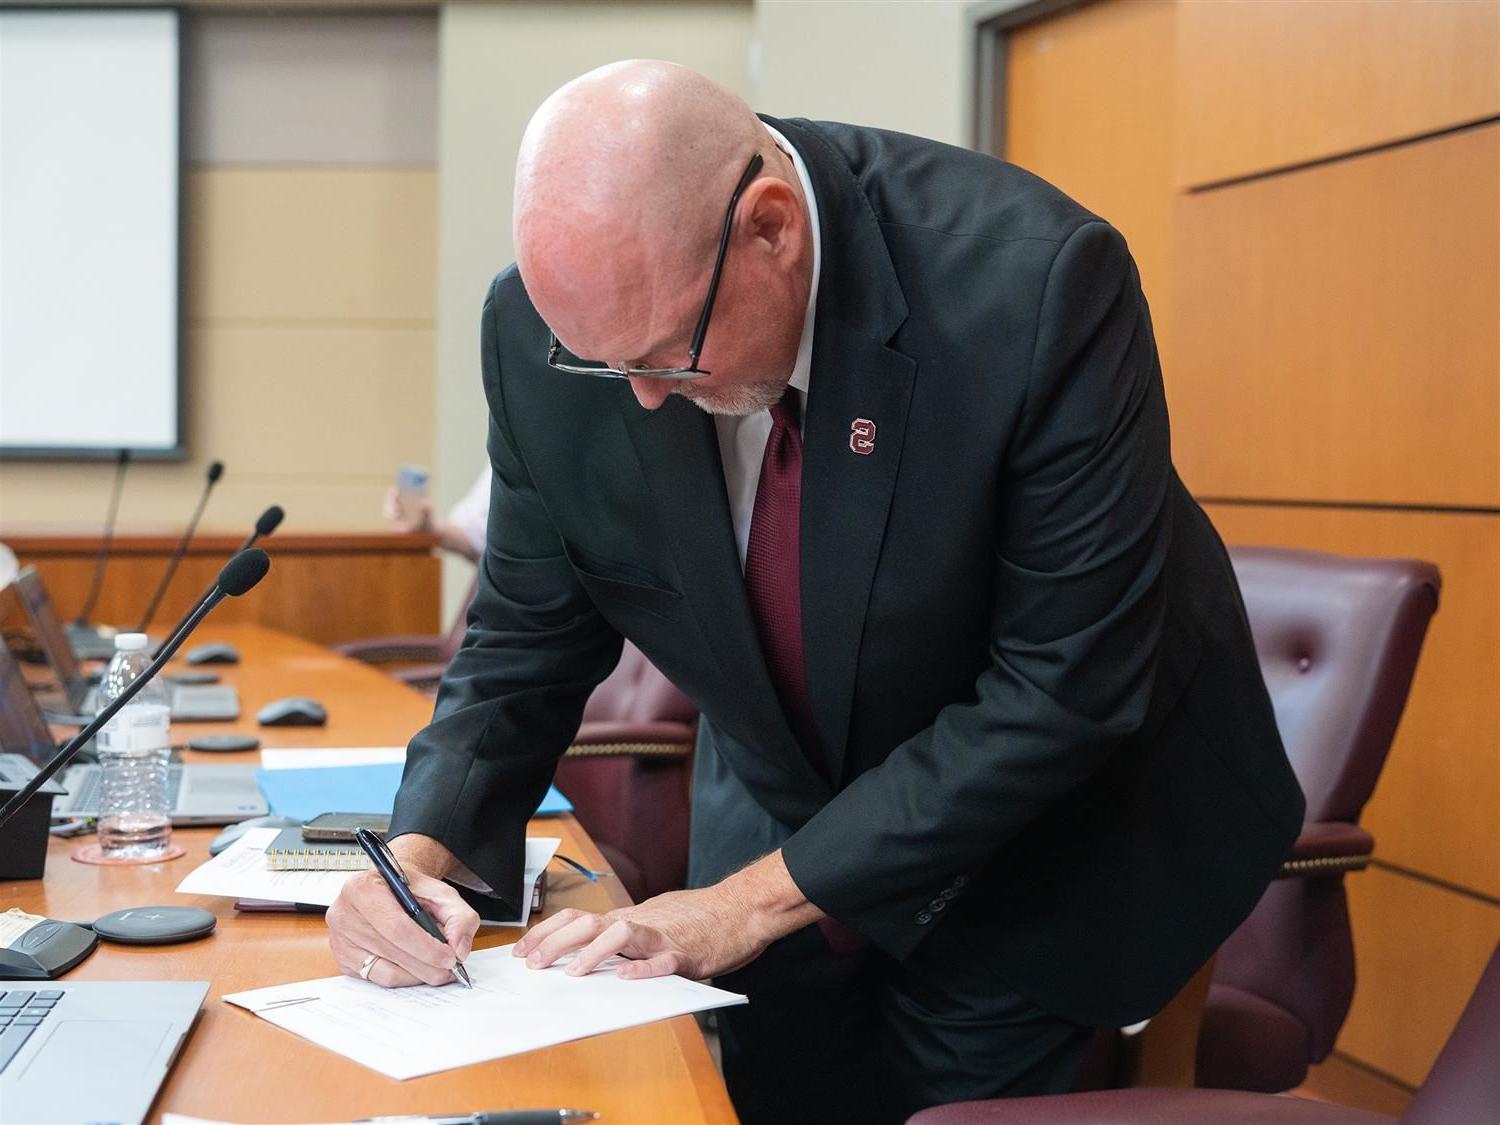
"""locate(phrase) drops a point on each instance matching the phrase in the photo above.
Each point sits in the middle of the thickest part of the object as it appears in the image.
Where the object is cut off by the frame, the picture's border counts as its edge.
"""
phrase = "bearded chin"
(737, 402)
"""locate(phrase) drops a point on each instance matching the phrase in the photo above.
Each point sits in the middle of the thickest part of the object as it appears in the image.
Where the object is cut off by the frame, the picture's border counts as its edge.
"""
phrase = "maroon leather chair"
(1338, 641)
(629, 773)
(1463, 1088)
(418, 659)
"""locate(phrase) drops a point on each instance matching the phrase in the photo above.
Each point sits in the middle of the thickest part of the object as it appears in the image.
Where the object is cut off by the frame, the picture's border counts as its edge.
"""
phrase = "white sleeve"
(472, 513)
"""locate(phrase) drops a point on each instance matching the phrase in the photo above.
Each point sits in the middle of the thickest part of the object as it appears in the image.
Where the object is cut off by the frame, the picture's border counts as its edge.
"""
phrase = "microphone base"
(23, 839)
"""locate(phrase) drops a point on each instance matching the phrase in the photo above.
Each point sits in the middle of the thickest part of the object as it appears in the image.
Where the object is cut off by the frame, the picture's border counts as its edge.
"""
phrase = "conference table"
(237, 1067)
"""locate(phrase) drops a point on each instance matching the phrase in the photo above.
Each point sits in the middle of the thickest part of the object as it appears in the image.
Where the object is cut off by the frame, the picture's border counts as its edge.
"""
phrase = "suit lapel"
(846, 499)
(848, 478)
(678, 452)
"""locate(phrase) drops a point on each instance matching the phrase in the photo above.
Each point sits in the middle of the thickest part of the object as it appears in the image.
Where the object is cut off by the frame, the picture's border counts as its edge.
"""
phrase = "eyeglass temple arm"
(696, 346)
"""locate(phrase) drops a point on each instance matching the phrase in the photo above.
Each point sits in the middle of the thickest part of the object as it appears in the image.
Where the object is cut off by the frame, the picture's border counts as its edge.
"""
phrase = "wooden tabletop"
(239, 1068)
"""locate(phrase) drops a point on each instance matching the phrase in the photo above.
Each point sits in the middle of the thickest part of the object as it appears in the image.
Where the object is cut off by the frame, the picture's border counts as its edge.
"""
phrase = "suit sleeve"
(1076, 621)
(511, 700)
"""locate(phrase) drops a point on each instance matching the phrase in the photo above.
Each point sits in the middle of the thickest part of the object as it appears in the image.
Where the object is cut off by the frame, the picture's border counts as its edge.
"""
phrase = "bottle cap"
(130, 642)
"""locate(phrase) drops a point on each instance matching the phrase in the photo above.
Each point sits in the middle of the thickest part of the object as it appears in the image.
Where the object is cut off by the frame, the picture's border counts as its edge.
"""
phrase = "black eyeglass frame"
(695, 347)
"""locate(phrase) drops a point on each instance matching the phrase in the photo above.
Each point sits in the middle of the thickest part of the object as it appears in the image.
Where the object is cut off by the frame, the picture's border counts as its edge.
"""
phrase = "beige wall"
(897, 64)
(310, 283)
(499, 60)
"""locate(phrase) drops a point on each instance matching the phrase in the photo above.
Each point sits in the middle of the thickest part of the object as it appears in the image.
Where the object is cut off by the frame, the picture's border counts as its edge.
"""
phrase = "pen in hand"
(390, 870)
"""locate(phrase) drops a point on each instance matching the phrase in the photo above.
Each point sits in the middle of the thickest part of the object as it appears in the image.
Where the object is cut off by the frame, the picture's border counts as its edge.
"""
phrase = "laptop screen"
(51, 635)
(23, 730)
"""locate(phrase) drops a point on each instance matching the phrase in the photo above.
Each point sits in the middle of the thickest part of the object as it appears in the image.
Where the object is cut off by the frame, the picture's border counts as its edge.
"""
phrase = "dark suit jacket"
(1055, 760)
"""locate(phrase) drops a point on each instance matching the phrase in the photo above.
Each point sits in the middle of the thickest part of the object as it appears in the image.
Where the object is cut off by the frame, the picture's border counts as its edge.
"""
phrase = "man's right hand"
(367, 920)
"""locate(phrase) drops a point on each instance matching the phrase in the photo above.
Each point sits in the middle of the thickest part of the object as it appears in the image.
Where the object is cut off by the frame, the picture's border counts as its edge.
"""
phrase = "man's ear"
(770, 213)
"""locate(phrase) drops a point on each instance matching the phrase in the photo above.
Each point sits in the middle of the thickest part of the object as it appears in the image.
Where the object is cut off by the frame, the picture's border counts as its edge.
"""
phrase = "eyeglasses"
(695, 348)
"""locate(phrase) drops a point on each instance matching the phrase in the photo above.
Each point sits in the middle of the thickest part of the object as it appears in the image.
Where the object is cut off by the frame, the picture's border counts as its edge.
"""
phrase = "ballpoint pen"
(500, 1117)
(390, 870)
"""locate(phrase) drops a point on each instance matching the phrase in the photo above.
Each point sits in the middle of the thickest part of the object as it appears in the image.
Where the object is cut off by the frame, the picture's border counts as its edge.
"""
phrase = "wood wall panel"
(324, 588)
(1434, 809)
(1419, 950)
(1090, 97)
(1337, 330)
(1270, 83)
(313, 244)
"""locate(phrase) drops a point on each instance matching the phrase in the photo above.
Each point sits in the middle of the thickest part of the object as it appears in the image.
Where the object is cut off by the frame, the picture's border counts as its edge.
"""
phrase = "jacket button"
(923, 917)
(960, 882)
(937, 905)
(947, 894)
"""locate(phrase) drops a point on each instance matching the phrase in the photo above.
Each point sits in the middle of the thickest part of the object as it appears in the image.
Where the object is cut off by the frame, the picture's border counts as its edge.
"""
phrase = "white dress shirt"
(742, 440)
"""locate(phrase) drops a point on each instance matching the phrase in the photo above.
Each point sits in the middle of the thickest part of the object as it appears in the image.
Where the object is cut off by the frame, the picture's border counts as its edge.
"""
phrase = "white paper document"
(408, 1032)
(287, 758)
(240, 871)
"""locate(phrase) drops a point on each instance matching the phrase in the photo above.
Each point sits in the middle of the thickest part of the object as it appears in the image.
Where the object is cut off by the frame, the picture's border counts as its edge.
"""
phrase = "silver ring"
(366, 965)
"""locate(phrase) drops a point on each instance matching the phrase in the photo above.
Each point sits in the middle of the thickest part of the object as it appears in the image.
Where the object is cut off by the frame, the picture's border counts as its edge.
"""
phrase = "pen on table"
(501, 1117)
(385, 863)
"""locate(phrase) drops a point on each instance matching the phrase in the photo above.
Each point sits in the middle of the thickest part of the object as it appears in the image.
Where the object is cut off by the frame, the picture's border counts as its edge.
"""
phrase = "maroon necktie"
(773, 581)
(773, 577)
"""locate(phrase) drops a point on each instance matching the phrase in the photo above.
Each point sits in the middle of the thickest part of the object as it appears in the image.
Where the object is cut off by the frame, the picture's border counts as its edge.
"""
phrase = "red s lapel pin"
(862, 436)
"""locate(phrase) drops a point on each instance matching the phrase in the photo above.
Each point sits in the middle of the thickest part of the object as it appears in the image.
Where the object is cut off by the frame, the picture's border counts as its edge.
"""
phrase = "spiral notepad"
(290, 852)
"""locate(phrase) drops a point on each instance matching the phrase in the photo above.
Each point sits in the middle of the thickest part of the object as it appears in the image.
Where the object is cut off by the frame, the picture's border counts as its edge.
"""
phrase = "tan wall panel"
(313, 243)
(1419, 950)
(312, 402)
(1270, 83)
(1434, 808)
(1338, 330)
(309, 360)
(1089, 108)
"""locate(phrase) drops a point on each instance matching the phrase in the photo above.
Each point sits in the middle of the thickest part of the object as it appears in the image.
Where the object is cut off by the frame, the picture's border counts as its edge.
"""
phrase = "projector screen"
(90, 184)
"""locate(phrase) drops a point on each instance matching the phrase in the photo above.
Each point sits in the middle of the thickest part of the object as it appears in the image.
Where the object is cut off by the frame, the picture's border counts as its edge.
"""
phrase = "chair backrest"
(636, 692)
(453, 639)
(1338, 641)
(1464, 1083)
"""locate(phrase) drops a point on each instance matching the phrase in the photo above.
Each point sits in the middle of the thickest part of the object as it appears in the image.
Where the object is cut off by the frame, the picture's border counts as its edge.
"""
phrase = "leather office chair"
(1463, 1086)
(628, 774)
(1338, 641)
(418, 658)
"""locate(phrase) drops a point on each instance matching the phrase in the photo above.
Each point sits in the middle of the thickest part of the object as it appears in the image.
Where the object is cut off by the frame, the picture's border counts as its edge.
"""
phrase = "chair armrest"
(1328, 847)
(624, 738)
(423, 677)
(409, 649)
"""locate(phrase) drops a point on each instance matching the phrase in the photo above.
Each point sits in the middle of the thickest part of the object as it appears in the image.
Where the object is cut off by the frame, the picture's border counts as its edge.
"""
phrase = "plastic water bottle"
(133, 749)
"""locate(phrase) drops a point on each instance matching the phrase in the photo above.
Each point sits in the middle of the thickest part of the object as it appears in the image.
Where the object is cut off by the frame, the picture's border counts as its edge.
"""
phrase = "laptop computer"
(190, 703)
(195, 794)
(90, 1050)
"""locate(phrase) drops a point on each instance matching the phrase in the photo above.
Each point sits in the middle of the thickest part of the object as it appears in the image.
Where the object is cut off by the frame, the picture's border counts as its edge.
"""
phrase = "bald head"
(621, 187)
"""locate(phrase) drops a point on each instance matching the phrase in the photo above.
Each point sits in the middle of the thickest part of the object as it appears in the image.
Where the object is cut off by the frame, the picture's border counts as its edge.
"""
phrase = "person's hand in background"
(415, 516)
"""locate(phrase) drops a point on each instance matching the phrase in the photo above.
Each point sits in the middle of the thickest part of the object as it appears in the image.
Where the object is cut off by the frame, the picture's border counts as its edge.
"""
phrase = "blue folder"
(305, 793)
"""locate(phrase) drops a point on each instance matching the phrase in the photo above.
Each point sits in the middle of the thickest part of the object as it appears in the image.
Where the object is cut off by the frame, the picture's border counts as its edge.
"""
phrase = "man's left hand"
(696, 934)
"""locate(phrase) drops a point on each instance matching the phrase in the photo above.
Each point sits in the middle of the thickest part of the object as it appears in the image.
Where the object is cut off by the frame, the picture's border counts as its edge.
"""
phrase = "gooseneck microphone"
(239, 576)
(215, 471)
(121, 460)
(269, 521)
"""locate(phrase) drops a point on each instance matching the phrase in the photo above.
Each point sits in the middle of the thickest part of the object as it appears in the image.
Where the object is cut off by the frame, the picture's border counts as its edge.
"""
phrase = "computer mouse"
(235, 831)
(293, 711)
(215, 652)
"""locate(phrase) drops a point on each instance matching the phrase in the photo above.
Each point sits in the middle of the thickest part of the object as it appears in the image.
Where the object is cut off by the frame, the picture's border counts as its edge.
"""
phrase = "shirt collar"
(802, 369)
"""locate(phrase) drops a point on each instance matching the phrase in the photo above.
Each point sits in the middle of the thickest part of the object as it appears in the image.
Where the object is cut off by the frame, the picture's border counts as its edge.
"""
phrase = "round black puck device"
(223, 743)
(155, 925)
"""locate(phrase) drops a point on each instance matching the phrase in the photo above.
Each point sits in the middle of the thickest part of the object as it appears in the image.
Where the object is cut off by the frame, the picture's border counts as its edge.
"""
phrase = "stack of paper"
(240, 871)
(408, 1032)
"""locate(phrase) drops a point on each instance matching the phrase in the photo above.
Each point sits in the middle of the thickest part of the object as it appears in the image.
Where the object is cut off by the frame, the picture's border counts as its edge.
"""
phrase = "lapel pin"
(862, 436)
